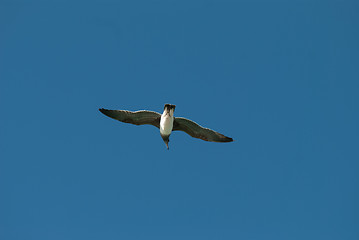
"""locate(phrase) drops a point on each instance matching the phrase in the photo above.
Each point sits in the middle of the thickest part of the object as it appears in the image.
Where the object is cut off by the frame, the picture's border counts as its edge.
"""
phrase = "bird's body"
(166, 123)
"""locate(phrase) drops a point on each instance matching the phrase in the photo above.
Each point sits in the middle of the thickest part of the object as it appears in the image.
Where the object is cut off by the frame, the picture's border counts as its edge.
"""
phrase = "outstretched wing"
(196, 131)
(137, 118)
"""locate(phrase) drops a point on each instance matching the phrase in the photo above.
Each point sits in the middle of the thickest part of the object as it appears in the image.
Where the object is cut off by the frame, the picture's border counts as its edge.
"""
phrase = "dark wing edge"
(197, 131)
(138, 118)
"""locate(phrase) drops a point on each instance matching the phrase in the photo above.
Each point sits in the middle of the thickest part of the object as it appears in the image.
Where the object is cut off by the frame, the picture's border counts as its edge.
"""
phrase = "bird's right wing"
(137, 118)
(196, 131)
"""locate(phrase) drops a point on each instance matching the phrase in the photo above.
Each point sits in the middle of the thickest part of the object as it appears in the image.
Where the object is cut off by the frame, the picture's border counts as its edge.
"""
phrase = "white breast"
(166, 123)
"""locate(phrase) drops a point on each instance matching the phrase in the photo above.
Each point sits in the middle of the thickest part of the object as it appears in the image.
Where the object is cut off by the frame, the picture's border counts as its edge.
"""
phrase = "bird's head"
(166, 139)
(169, 109)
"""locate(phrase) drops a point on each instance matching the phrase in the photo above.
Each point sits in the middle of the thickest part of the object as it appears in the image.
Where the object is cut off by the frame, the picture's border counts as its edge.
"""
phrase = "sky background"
(280, 77)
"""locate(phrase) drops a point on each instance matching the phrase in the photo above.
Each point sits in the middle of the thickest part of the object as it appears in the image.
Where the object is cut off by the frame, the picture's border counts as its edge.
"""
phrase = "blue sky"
(280, 77)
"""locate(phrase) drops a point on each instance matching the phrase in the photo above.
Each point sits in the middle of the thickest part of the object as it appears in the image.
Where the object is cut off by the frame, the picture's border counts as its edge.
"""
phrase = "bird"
(167, 123)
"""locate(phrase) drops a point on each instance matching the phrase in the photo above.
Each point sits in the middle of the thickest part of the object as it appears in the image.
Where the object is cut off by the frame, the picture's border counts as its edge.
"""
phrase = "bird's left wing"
(196, 131)
(138, 118)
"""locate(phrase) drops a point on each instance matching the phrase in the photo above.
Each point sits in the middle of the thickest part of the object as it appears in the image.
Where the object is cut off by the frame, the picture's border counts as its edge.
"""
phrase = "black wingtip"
(228, 139)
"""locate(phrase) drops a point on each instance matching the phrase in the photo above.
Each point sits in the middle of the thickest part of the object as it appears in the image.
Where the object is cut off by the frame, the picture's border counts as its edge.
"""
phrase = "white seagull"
(166, 123)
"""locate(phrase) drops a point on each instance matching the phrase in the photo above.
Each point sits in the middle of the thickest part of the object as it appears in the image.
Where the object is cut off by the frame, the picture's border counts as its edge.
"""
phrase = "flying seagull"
(166, 123)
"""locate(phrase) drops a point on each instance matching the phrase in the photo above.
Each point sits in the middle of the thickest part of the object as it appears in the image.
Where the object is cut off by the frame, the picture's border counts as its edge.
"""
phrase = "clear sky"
(280, 77)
